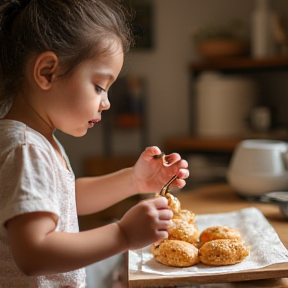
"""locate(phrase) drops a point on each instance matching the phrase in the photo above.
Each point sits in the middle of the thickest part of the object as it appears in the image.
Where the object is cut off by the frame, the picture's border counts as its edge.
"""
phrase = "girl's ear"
(44, 69)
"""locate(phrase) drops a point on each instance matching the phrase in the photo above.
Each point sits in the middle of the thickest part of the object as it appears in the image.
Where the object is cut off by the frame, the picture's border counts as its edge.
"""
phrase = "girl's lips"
(92, 122)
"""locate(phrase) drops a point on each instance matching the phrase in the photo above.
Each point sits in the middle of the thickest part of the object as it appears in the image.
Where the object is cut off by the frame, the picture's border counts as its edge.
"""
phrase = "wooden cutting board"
(150, 280)
(220, 199)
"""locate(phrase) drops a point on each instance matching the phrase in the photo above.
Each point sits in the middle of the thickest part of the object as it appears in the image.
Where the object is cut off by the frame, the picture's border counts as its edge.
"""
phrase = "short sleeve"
(27, 183)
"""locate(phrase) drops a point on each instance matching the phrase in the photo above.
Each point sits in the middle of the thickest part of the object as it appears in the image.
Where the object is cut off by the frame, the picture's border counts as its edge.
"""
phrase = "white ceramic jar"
(223, 104)
(259, 166)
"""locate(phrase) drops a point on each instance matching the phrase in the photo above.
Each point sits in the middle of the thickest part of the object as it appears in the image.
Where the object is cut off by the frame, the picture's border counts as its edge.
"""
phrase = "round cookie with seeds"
(218, 232)
(223, 252)
(185, 215)
(175, 253)
(185, 231)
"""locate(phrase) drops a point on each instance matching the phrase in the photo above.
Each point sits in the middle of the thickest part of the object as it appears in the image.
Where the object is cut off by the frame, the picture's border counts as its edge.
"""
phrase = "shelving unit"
(241, 65)
(186, 144)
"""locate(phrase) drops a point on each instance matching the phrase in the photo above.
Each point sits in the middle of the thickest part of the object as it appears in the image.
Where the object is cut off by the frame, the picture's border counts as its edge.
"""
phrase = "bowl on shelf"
(222, 48)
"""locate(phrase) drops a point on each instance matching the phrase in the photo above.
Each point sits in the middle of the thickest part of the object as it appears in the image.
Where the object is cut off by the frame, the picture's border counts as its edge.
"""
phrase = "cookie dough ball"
(173, 203)
(219, 232)
(175, 253)
(185, 215)
(182, 230)
(223, 252)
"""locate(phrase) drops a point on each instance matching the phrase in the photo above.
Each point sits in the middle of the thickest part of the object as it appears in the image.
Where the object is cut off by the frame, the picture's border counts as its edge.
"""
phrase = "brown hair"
(73, 29)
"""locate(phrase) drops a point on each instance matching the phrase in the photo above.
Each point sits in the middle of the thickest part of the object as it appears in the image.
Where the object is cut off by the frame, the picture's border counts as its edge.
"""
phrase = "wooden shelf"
(240, 64)
(225, 65)
(189, 144)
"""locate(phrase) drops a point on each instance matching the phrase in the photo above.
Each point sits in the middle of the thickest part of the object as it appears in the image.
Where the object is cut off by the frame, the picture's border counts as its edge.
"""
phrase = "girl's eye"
(99, 89)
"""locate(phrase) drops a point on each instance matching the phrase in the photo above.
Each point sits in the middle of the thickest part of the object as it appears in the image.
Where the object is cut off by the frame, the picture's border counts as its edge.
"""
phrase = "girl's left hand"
(150, 174)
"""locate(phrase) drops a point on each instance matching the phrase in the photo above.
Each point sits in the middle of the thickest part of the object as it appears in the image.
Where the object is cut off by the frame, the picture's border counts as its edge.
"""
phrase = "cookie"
(222, 252)
(185, 231)
(219, 232)
(173, 203)
(175, 253)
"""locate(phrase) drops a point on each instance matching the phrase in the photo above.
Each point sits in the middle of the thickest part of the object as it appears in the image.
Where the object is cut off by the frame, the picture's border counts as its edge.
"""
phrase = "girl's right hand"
(146, 223)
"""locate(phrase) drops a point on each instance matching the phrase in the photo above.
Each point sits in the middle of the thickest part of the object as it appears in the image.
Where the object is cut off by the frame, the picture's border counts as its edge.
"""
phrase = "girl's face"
(76, 102)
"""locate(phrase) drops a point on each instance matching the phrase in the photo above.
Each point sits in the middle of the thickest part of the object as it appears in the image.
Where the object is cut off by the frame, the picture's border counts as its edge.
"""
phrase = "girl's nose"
(105, 104)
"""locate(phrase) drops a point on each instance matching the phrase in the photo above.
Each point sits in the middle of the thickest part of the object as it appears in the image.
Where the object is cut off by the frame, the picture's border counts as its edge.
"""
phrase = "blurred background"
(204, 75)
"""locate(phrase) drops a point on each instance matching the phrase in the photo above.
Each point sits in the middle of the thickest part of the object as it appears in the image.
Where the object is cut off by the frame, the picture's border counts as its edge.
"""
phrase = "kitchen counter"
(221, 198)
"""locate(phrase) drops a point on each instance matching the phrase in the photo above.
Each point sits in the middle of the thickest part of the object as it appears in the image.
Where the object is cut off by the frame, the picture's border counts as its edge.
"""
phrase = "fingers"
(181, 163)
(162, 154)
(150, 152)
(154, 152)
(161, 235)
(183, 173)
(172, 158)
(180, 183)
(162, 213)
(159, 202)
(165, 214)
(147, 222)
(180, 166)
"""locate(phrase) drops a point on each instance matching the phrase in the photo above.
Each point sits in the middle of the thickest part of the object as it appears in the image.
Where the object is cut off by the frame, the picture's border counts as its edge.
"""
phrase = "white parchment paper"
(265, 246)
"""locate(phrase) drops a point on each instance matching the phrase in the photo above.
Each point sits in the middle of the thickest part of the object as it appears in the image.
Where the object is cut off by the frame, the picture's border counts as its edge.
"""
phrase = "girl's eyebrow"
(105, 75)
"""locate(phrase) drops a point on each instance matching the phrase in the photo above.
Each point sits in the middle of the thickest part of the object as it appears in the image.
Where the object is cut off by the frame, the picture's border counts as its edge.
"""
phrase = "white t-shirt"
(32, 178)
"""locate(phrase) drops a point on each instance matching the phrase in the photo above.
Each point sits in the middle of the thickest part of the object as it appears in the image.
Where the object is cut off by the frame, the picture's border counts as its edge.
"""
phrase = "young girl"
(58, 59)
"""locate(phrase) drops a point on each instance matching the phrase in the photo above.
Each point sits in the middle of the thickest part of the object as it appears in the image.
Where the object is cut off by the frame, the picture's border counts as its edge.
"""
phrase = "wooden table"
(218, 199)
